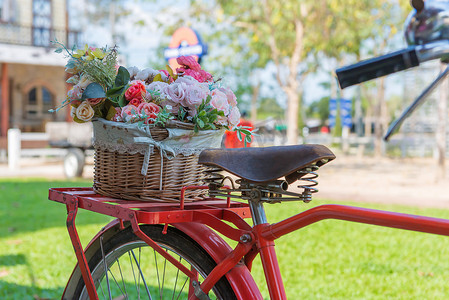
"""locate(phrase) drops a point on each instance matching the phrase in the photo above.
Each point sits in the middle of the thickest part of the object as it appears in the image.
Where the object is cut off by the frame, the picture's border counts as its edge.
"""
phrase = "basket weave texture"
(119, 174)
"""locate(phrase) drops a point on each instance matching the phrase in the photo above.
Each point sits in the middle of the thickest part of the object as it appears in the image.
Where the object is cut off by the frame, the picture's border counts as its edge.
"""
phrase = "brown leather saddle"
(268, 163)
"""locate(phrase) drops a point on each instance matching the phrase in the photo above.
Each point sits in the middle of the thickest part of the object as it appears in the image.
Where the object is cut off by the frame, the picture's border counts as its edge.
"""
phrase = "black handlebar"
(377, 67)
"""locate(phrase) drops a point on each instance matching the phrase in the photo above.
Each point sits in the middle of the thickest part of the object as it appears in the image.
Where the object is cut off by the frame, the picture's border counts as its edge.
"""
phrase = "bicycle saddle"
(267, 163)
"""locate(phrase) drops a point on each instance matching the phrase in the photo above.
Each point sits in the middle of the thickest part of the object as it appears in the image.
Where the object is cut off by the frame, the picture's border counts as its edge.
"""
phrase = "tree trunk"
(254, 99)
(292, 115)
(441, 128)
(379, 118)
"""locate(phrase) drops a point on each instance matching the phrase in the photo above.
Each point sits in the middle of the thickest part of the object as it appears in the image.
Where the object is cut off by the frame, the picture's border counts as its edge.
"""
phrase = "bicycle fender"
(239, 277)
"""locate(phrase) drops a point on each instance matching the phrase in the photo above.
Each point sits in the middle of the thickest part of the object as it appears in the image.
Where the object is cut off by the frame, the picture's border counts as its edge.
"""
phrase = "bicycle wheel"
(136, 271)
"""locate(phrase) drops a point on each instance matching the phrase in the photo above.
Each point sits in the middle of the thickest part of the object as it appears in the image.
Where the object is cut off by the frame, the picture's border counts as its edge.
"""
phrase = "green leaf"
(122, 77)
(115, 91)
(200, 123)
(239, 135)
(58, 50)
(110, 113)
(121, 100)
(93, 90)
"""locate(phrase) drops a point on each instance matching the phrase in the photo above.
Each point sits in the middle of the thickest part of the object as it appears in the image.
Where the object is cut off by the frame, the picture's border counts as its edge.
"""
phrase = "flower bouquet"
(149, 125)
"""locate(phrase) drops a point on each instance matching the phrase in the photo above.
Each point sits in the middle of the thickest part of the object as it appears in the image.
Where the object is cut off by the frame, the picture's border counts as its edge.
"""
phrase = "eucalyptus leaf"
(58, 50)
(93, 90)
(122, 77)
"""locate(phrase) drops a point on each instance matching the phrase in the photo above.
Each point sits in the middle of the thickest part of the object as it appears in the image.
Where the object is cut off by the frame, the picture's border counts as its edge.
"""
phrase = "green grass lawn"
(329, 260)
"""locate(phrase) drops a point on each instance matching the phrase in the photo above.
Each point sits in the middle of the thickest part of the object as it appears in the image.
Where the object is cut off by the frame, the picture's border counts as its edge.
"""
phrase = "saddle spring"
(271, 192)
(308, 177)
(215, 179)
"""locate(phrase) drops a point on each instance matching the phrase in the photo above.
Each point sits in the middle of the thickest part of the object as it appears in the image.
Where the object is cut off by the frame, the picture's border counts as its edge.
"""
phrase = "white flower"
(146, 74)
(84, 112)
(133, 71)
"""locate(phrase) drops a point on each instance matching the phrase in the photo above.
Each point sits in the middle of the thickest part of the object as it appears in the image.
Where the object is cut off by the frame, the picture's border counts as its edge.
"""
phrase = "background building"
(32, 75)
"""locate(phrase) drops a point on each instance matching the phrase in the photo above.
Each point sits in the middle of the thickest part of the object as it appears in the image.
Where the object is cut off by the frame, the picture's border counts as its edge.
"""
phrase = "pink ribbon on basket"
(164, 150)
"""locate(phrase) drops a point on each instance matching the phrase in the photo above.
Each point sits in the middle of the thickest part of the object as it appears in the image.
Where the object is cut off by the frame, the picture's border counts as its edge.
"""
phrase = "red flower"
(135, 91)
(135, 101)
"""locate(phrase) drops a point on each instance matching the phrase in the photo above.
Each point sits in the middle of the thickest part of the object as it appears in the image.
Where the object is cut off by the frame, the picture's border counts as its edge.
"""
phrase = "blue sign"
(345, 107)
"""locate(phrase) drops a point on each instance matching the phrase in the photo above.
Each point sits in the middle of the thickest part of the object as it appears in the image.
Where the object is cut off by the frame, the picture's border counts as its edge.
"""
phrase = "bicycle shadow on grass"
(16, 291)
(24, 206)
(10, 290)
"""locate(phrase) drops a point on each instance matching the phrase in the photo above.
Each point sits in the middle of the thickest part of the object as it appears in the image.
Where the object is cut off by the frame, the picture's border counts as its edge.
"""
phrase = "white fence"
(15, 151)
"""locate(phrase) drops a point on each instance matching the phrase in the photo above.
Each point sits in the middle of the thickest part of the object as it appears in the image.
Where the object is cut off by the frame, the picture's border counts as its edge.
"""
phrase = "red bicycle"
(172, 251)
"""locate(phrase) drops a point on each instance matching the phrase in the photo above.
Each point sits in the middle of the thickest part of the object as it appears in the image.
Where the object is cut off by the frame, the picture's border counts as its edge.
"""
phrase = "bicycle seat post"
(257, 212)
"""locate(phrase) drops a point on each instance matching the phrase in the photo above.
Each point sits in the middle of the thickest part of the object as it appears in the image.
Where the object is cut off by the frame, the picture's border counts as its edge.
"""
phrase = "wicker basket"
(119, 174)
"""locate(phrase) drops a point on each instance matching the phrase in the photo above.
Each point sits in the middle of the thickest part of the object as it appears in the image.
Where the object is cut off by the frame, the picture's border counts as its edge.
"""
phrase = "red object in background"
(232, 140)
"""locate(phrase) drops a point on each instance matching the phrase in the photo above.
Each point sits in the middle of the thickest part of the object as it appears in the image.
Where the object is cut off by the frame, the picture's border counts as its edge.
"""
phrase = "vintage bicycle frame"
(195, 218)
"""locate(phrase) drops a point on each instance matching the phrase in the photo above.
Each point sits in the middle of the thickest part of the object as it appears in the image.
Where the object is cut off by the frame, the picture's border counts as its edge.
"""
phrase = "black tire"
(125, 246)
(74, 163)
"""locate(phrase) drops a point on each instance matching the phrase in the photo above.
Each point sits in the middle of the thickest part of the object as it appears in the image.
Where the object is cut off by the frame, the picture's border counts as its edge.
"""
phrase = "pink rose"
(149, 110)
(195, 94)
(189, 62)
(234, 117)
(130, 114)
(220, 101)
(187, 80)
(156, 87)
(176, 92)
(136, 90)
(232, 99)
(171, 106)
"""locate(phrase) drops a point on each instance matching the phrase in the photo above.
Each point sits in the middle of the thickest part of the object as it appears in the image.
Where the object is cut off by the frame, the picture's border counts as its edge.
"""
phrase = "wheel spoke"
(101, 288)
(163, 276)
(105, 267)
(182, 288)
(141, 274)
(176, 280)
(123, 280)
(157, 274)
(118, 277)
(134, 274)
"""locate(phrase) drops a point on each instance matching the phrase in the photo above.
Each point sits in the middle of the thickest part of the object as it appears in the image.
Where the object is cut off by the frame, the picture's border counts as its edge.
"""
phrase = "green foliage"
(206, 116)
(117, 92)
(244, 133)
(93, 90)
(163, 117)
(100, 70)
